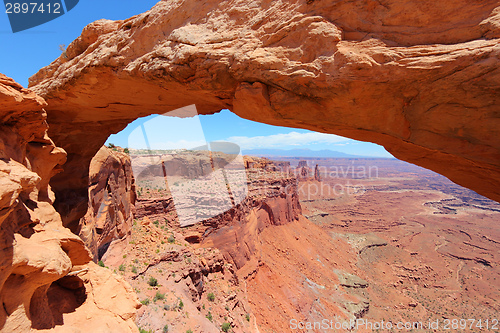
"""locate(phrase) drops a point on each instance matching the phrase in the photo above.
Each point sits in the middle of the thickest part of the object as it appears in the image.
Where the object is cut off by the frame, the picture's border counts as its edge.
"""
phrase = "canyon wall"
(271, 196)
(275, 265)
(419, 77)
(47, 278)
(272, 200)
(111, 201)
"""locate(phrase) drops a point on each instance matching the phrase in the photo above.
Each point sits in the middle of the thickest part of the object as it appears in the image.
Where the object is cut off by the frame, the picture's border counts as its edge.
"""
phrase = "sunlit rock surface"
(418, 77)
(46, 277)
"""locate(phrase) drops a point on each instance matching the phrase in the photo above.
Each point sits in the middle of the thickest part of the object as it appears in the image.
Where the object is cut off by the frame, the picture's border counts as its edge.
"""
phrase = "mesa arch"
(421, 78)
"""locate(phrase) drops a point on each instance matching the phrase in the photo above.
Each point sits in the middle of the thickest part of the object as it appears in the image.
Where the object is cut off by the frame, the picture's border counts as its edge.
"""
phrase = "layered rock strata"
(277, 265)
(271, 194)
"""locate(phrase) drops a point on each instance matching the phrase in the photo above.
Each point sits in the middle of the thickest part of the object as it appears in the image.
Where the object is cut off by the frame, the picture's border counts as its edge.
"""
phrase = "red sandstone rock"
(45, 275)
(250, 257)
(418, 77)
(317, 176)
(112, 198)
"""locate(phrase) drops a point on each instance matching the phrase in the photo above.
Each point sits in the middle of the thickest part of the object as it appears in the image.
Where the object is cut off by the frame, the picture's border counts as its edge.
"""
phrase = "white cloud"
(283, 140)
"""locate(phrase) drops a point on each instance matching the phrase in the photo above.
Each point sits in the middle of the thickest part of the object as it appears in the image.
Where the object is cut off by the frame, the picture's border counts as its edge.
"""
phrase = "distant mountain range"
(301, 153)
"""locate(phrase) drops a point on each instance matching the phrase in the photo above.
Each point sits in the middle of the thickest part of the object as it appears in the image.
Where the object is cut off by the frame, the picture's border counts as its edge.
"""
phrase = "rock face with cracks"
(419, 77)
(46, 277)
(111, 205)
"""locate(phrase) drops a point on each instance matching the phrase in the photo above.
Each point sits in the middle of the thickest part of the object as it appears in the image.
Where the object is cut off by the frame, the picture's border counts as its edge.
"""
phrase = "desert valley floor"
(374, 239)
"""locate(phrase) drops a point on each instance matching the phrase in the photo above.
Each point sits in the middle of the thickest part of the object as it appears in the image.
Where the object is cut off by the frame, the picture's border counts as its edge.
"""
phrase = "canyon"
(376, 239)
(84, 236)
(242, 257)
(427, 247)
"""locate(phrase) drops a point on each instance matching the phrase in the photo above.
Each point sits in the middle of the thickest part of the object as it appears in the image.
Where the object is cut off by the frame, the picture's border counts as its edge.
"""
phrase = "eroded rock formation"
(272, 199)
(274, 264)
(111, 201)
(317, 176)
(46, 277)
(418, 77)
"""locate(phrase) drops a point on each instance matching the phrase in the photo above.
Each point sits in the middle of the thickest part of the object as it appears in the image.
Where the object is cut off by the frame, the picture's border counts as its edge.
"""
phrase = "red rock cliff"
(112, 197)
(46, 277)
(272, 200)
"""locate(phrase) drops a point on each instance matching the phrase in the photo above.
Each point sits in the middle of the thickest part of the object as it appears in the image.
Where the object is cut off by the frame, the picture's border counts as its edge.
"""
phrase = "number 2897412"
(32, 8)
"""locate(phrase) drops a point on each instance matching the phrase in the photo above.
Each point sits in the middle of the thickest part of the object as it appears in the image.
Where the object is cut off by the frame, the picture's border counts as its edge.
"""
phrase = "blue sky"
(173, 133)
(24, 53)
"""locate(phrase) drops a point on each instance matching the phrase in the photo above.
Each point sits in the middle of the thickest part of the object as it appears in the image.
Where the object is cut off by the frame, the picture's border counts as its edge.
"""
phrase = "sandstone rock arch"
(421, 78)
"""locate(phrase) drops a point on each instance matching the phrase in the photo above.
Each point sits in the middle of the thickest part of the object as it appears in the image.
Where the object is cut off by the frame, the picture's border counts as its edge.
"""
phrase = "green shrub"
(226, 327)
(134, 269)
(126, 151)
(209, 316)
(211, 297)
(145, 301)
(165, 328)
(158, 296)
(181, 304)
(152, 281)
(121, 268)
(171, 239)
(189, 331)
(111, 145)
(247, 317)
(100, 263)
(142, 330)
